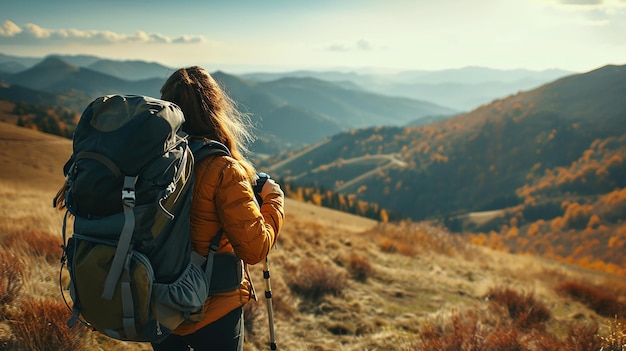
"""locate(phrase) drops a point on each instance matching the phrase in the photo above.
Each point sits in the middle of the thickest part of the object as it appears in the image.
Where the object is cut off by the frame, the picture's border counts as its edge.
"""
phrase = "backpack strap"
(121, 260)
(202, 149)
(122, 252)
(208, 270)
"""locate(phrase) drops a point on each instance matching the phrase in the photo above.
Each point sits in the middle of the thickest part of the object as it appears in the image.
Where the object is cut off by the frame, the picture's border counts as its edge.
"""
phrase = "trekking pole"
(263, 177)
(268, 299)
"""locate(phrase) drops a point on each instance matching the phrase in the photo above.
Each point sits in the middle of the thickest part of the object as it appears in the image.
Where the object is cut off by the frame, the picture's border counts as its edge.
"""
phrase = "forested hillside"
(550, 161)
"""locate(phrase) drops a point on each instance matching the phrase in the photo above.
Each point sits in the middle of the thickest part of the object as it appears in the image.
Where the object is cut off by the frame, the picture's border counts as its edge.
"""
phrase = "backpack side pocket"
(183, 299)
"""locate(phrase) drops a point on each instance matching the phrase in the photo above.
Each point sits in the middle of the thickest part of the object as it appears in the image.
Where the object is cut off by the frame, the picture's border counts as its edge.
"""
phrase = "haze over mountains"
(458, 89)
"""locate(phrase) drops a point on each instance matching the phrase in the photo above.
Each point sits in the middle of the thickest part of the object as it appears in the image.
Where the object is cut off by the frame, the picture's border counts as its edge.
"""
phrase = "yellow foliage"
(478, 239)
(384, 217)
(512, 233)
(594, 222)
(557, 224)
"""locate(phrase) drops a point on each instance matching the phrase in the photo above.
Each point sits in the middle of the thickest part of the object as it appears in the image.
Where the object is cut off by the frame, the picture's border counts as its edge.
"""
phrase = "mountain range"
(286, 112)
(460, 89)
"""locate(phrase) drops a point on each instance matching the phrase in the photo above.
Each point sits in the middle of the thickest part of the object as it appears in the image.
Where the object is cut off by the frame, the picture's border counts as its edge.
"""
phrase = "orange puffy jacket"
(223, 198)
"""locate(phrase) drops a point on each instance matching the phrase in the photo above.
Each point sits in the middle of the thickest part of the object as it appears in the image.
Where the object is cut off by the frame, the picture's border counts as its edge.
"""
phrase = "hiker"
(223, 198)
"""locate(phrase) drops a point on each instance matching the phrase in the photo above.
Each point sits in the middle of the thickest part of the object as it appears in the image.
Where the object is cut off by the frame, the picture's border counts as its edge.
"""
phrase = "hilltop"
(376, 286)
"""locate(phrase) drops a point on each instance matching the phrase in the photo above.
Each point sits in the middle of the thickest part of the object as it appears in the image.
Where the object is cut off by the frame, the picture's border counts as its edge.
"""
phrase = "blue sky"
(275, 35)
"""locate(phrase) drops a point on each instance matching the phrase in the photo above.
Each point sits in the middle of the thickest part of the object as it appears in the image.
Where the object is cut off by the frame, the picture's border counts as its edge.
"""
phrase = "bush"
(360, 267)
(523, 309)
(471, 332)
(583, 337)
(598, 299)
(41, 325)
(11, 277)
(315, 279)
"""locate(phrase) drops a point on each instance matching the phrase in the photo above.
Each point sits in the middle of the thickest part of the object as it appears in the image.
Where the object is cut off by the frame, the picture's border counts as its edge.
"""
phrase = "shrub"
(475, 330)
(524, 310)
(598, 299)
(467, 332)
(41, 325)
(583, 337)
(11, 277)
(315, 279)
(360, 267)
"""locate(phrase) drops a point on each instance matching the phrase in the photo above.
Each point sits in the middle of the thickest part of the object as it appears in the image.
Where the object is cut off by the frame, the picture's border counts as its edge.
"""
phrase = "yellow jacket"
(223, 198)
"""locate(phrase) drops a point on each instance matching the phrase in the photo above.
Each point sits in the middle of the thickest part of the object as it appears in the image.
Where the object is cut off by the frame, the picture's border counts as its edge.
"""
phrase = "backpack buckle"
(128, 191)
(128, 196)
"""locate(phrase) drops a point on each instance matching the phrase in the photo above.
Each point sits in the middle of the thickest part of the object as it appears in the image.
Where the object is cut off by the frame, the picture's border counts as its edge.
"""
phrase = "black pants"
(224, 334)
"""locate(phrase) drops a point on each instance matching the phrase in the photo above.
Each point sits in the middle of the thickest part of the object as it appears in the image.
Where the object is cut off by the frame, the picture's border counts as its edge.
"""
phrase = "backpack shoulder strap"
(202, 149)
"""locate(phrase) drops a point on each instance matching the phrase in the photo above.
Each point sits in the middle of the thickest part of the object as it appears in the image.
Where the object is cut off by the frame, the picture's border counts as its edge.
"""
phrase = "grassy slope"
(430, 275)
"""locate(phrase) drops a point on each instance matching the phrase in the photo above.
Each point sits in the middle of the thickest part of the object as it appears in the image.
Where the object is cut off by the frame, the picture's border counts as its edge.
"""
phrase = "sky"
(278, 35)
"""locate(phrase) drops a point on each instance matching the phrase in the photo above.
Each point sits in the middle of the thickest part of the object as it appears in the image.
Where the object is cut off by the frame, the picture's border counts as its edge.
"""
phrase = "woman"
(223, 199)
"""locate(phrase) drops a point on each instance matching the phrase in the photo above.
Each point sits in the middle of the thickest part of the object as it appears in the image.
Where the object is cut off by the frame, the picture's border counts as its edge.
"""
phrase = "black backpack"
(129, 184)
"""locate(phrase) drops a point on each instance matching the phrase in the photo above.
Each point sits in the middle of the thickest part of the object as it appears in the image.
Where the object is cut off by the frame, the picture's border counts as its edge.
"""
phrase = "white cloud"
(581, 2)
(360, 45)
(9, 28)
(32, 34)
(364, 45)
(190, 39)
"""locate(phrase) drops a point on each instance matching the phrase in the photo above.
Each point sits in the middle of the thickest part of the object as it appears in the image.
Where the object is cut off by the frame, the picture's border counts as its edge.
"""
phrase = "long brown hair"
(209, 112)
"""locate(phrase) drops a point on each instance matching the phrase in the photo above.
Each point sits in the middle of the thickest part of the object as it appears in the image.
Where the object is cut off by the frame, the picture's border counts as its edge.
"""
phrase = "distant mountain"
(123, 69)
(11, 67)
(54, 75)
(287, 113)
(351, 108)
(19, 60)
(131, 70)
(462, 89)
(471, 162)
(18, 93)
(476, 75)
(304, 110)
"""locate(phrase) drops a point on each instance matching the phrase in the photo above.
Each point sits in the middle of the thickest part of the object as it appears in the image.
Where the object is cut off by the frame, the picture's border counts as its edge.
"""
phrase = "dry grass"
(41, 325)
(602, 300)
(615, 340)
(410, 238)
(34, 244)
(409, 281)
(11, 279)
